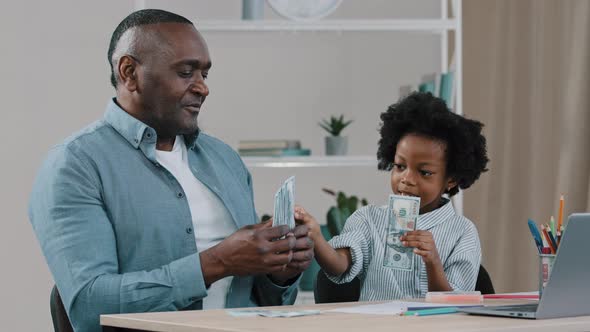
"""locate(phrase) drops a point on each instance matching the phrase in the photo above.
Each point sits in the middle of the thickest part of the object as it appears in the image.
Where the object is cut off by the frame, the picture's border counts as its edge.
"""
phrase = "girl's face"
(419, 169)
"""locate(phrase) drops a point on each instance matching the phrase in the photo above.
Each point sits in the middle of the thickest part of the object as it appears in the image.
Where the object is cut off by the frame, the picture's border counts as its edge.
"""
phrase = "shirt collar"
(133, 130)
(429, 220)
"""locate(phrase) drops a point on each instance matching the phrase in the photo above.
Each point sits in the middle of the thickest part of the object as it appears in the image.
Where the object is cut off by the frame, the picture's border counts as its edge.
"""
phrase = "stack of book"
(272, 148)
(439, 84)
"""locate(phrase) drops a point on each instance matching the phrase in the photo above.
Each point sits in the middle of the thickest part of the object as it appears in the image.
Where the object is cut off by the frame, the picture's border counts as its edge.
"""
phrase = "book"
(269, 144)
(447, 88)
(273, 152)
(430, 84)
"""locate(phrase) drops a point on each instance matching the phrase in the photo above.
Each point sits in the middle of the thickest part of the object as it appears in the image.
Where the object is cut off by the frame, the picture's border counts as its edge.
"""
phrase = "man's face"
(171, 79)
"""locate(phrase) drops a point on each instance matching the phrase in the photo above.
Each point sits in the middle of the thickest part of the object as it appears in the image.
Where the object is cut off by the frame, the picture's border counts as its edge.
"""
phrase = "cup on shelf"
(546, 262)
(252, 9)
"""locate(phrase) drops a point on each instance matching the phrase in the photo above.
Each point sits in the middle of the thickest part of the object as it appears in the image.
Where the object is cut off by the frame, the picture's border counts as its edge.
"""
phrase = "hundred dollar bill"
(271, 313)
(284, 209)
(403, 213)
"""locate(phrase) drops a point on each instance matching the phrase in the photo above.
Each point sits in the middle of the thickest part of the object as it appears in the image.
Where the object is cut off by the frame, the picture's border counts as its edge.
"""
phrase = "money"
(402, 213)
(271, 313)
(284, 209)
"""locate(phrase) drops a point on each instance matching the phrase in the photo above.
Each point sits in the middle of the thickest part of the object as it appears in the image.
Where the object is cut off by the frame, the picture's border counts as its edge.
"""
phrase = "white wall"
(54, 80)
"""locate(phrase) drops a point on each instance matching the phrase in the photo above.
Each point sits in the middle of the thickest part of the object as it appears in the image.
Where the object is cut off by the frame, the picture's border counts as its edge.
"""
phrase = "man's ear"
(127, 70)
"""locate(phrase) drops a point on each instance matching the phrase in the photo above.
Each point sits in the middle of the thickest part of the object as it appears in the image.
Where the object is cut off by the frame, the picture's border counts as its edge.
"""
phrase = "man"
(143, 212)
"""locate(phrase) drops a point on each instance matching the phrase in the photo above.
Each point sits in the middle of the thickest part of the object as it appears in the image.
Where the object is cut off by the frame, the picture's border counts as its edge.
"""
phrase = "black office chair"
(326, 291)
(484, 282)
(61, 322)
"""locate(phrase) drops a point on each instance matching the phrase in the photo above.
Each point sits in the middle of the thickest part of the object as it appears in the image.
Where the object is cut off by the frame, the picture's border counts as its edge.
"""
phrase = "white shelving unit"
(426, 25)
(311, 161)
(442, 26)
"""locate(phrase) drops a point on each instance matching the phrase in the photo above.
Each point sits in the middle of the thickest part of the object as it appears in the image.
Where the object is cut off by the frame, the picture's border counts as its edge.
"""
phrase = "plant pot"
(336, 145)
(308, 277)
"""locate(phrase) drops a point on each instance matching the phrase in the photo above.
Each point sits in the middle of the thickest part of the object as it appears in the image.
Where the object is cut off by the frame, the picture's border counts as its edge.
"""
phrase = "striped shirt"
(365, 231)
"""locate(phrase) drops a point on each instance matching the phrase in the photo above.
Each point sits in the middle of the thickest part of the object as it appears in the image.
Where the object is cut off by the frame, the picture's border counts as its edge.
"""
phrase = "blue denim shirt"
(116, 229)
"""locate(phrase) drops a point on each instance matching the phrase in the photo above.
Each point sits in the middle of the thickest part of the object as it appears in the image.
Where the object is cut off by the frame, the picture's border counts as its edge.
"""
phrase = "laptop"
(568, 289)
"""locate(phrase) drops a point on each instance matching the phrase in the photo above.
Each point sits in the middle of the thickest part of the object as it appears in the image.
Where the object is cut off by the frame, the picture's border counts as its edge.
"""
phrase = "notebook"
(568, 289)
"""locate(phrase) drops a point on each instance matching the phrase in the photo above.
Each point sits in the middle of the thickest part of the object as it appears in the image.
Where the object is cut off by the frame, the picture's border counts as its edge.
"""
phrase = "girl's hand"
(304, 218)
(423, 244)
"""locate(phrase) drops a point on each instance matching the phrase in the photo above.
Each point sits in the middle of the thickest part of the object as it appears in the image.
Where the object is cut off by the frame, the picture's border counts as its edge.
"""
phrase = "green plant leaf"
(337, 215)
(329, 191)
(335, 125)
(335, 223)
(353, 202)
(345, 213)
(341, 200)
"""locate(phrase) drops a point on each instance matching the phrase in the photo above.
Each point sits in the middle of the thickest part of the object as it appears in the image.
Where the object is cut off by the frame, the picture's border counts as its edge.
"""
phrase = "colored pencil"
(430, 312)
(560, 220)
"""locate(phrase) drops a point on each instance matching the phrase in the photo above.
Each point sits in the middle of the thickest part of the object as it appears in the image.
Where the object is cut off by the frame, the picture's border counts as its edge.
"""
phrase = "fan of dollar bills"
(402, 212)
(284, 209)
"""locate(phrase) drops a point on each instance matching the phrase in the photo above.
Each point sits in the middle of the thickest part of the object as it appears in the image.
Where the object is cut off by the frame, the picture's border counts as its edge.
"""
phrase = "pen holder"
(545, 267)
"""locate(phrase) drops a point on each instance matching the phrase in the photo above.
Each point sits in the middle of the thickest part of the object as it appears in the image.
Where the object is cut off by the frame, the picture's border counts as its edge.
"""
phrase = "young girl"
(430, 151)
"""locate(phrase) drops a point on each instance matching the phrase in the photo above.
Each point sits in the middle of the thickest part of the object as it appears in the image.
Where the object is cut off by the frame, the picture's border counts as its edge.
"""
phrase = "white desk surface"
(220, 321)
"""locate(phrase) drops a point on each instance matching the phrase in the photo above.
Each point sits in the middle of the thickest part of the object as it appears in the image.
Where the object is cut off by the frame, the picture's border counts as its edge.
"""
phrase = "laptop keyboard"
(520, 307)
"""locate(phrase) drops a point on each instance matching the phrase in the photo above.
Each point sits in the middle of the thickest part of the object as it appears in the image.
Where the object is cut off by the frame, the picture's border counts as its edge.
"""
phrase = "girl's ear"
(451, 183)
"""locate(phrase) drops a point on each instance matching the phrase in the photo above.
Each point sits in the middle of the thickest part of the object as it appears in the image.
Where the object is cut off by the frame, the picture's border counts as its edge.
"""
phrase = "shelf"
(424, 25)
(313, 161)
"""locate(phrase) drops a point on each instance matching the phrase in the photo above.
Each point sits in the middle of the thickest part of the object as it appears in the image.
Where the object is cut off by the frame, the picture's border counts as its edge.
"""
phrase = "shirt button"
(148, 135)
(180, 195)
(189, 230)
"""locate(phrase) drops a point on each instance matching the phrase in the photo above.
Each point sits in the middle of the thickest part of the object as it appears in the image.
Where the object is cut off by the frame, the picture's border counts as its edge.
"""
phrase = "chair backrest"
(326, 291)
(61, 322)
(484, 282)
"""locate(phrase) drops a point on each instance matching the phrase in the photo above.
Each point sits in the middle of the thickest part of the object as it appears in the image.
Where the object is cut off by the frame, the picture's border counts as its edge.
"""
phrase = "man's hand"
(302, 256)
(423, 244)
(253, 249)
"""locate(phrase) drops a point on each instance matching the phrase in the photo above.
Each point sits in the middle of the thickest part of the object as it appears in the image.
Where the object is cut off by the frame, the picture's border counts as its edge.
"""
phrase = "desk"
(220, 321)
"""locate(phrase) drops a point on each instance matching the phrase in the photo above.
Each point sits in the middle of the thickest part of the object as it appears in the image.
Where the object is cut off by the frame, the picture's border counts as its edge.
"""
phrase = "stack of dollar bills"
(284, 209)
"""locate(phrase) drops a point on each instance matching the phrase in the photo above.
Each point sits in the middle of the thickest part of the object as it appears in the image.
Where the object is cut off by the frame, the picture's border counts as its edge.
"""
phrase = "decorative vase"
(336, 145)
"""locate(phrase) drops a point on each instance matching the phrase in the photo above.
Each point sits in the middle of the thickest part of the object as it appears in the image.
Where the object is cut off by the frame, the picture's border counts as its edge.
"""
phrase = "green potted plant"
(336, 217)
(335, 144)
(338, 214)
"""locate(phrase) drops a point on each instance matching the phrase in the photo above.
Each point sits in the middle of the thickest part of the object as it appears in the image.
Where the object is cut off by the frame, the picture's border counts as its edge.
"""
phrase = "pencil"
(545, 242)
(552, 225)
(546, 234)
(552, 238)
(430, 312)
(560, 220)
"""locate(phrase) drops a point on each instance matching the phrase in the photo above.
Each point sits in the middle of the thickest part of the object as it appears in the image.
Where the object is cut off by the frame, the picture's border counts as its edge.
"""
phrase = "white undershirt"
(212, 221)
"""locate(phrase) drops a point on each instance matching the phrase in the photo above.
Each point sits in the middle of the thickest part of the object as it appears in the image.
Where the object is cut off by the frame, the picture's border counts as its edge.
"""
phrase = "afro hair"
(423, 114)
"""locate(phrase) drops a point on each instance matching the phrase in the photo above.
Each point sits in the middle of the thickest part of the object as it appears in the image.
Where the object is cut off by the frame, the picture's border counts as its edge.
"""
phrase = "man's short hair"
(138, 18)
